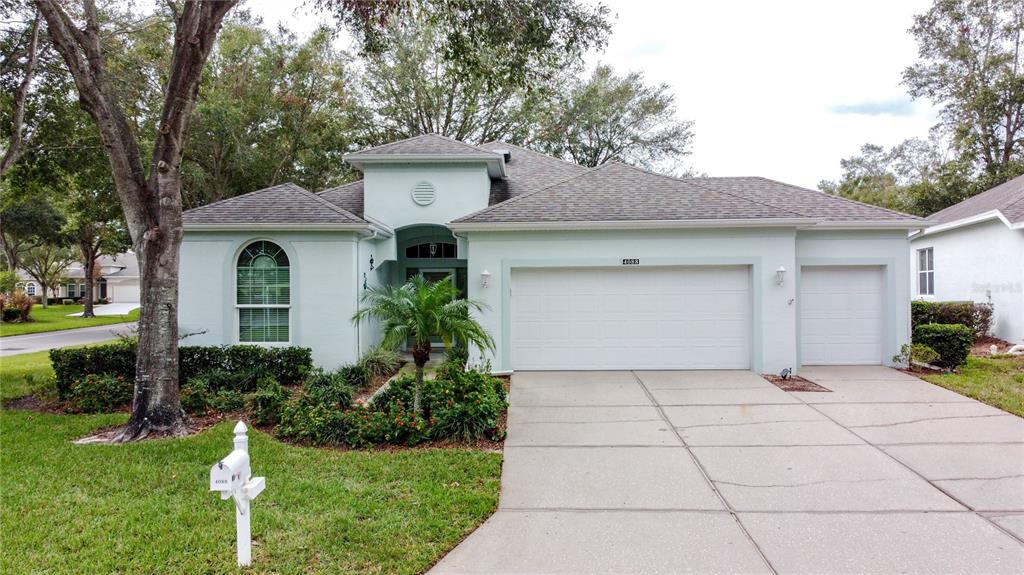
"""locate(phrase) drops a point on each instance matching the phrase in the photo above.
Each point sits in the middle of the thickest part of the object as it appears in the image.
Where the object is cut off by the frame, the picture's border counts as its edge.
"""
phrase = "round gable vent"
(423, 193)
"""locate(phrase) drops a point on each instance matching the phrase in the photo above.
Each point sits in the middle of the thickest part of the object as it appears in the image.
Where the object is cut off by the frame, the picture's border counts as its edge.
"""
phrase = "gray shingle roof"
(426, 144)
(1007, 197)
(348, 197)
(807, 203)
(528, 171)
(283, 204)
(616, 192)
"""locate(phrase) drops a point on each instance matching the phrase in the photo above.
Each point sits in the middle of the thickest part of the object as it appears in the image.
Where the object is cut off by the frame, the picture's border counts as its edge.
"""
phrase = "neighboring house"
(118, 281)
(974, 250)
(606, 268)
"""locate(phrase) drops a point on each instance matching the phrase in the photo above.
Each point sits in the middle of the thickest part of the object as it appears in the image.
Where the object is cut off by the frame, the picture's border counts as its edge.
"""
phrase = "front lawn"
(28, 373)
(146, 508)
(55, 318)
(997, 381)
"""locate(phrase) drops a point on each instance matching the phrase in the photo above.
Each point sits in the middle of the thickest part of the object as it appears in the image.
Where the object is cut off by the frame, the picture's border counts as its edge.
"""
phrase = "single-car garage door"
(841, 315)
(631, 318)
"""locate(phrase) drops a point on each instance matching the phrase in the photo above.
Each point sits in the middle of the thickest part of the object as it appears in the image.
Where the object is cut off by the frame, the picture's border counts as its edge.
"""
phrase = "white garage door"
(631, 318)
(841, 315)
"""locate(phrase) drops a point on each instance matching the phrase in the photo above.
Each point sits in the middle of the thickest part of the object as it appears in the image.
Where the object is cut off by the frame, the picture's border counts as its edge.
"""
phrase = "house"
(612, 267)
(974, 251)
(118, 281)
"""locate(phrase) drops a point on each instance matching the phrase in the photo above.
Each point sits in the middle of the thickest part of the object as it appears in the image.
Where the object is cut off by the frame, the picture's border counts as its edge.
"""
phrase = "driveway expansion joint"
(704, 473)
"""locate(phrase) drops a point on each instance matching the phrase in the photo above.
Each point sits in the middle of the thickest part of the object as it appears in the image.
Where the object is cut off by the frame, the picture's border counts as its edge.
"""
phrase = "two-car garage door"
(631, 318)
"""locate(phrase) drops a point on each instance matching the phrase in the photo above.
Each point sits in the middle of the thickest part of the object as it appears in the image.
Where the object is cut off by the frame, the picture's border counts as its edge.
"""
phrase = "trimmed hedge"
(951, 341)
(977, 316)
(244, 363)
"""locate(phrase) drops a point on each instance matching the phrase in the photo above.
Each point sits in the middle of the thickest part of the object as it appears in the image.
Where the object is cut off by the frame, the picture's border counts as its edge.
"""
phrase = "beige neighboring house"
(118, 281)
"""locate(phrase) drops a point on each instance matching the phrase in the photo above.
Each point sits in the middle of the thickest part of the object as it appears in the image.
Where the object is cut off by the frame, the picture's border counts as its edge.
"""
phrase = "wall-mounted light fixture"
(780, 275)
(485, 278)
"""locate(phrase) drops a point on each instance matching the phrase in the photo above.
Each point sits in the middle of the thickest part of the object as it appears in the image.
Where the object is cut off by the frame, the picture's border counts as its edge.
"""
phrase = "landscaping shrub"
(266, 402)
(977, 316)
(287, 365)
(400, 390)
(467, 405)
(380, 361)
(303, 419)
(917, 352)
(70, 365)
(365, 428)
(329, 388)
(100, 393)
(951, 341)
(356, 376)
(10, 314)
(225, 400)
(22, 304)
(195, 396)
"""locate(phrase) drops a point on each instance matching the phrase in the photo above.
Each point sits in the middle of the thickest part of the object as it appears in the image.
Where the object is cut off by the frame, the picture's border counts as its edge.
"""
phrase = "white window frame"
(30, 288)
(926, 271)
(238, 306)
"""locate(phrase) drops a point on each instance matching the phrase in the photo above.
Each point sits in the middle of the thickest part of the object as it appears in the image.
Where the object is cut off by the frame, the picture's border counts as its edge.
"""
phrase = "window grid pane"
(263, 286)
(263, 325)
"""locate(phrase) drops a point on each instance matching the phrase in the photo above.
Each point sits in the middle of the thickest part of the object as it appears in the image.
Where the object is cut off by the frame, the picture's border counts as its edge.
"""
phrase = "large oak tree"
(150, 195)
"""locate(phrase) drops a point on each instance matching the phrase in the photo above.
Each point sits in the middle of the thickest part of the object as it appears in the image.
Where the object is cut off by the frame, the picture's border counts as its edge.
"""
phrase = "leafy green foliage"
(233, 367)
(917, 352)
(266, 402)
(977, 316)
(608, 117)
(951, 341)
(379, 361)
(100, 393)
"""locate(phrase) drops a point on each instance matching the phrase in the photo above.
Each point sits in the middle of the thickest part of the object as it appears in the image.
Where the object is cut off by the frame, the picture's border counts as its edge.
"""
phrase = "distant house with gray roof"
(974, 251)
(612, 267)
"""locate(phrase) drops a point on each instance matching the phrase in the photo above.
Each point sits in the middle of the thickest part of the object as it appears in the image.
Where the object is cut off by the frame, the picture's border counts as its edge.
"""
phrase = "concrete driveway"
(722, 472)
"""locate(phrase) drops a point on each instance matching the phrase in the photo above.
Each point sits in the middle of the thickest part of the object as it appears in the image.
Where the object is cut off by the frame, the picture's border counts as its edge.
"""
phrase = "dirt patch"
(983, 346)
(793, 383)
(38, 404)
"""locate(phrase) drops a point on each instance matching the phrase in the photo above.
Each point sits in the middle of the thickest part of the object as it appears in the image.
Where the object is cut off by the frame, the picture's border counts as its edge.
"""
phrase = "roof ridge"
(529, 194)
(259, 191)
(720, 192)
(838, 197)
(535, 152)
(416, 137)
(338, 187)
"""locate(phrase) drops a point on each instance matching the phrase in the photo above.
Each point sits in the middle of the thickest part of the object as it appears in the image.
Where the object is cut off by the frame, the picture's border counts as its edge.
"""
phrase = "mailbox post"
(232, 478)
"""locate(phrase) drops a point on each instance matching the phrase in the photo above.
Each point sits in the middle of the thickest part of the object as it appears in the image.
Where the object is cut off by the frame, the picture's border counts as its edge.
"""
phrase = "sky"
(781, 89)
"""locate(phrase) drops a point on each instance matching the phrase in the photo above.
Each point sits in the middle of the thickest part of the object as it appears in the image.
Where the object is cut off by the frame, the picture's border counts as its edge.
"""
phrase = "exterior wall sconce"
(780, 275)
(485, 278)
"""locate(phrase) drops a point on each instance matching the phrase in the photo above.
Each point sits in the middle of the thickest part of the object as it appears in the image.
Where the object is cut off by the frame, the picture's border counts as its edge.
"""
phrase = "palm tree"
(421, 310)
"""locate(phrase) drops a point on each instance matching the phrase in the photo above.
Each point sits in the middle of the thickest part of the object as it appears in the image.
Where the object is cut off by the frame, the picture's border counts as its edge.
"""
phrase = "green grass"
(55, 318)
(25, 374)
(997, 381)
(28, 373)
(146, 508)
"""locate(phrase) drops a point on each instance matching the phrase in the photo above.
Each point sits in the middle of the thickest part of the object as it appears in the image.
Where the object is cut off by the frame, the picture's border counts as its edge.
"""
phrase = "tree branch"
(20, 96)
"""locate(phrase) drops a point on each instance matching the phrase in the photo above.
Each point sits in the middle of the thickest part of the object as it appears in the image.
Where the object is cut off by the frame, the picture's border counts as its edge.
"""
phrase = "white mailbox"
(230, 474)
(231, 477)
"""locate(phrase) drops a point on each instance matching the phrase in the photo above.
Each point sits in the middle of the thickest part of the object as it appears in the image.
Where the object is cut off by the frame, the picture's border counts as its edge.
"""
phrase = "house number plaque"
(630, 261)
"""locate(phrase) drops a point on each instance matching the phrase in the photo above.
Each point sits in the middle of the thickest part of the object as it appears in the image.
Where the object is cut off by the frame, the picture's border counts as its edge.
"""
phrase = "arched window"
(432, 250)
(30, 288)
(263, 294)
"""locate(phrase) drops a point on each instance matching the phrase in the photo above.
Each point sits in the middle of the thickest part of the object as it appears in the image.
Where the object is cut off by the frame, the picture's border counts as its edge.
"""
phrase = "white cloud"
(776, 89)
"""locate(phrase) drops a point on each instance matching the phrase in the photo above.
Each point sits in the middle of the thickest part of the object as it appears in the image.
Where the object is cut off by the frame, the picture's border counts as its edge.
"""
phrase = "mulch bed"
(793, 383)
(982, 346)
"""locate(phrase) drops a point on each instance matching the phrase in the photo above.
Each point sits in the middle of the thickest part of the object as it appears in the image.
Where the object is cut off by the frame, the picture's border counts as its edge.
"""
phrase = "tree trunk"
(45, 295)
(420, 356)
(90, 267)
(156, 405)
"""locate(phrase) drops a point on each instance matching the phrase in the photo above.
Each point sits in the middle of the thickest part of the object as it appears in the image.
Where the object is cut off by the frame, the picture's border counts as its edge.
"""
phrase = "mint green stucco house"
(611, 267)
